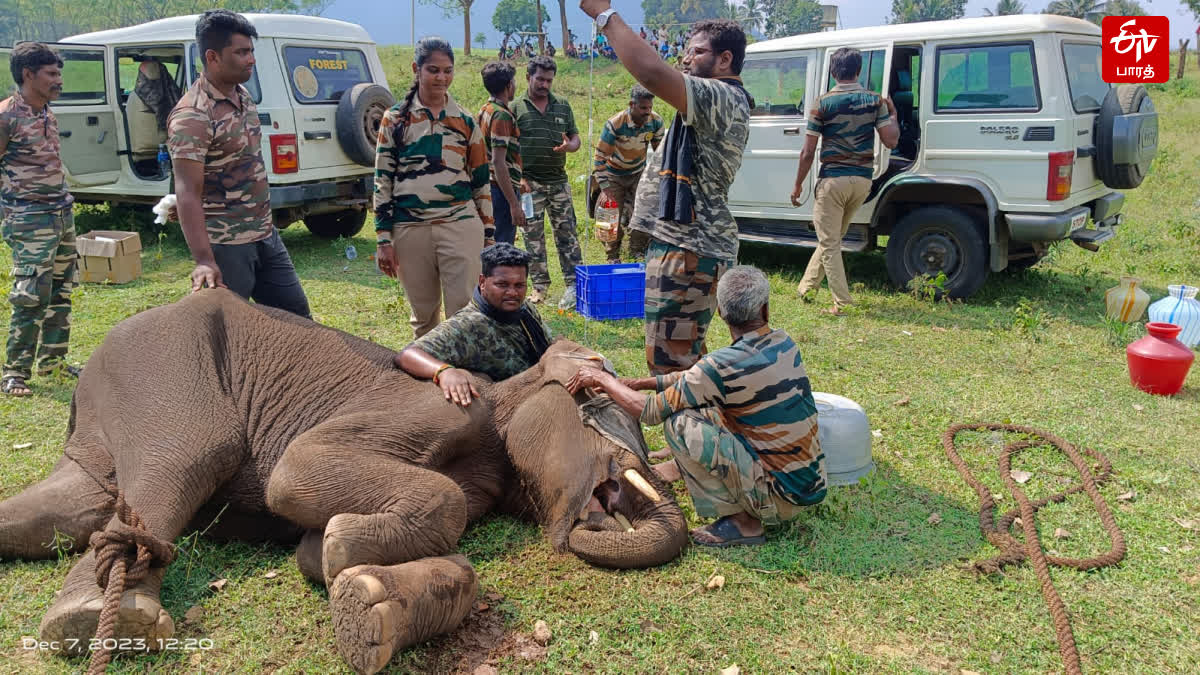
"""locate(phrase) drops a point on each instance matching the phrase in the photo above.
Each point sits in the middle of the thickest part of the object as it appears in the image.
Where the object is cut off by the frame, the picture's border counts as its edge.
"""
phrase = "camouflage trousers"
(555, 198)
(722, 475)
(623, 189)
(45, 265)
(681, 299)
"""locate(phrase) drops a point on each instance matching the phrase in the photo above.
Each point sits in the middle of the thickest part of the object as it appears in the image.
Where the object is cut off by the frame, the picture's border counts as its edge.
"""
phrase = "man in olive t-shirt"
(548, 133)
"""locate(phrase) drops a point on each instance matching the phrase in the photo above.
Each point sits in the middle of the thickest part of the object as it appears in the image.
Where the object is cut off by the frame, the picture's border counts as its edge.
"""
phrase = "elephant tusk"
(643, 486)
(623, 521)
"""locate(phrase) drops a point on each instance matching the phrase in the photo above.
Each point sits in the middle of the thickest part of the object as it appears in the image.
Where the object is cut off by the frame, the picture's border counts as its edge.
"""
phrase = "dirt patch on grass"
(482, 640)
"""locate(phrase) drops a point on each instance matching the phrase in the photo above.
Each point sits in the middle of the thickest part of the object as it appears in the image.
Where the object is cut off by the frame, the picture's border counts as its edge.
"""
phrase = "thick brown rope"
(1013, 551)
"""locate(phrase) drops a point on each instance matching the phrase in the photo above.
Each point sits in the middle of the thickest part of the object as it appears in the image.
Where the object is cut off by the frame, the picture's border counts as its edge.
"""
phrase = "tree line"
(51, 20)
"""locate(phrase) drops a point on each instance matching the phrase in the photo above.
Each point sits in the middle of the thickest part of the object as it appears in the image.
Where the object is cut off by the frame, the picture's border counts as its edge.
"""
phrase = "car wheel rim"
(371, 120)
(933, 251)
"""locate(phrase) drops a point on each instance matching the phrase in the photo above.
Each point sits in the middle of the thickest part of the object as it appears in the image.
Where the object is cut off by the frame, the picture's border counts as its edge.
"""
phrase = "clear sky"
(390, 23)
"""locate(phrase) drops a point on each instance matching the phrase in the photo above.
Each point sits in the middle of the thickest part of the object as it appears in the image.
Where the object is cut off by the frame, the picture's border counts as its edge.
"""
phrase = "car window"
(83, 77)
(1083, 76)
(320, 75)
(986, 77)
(128, 65)
(251, 85)
(871, 75)
(777, 85)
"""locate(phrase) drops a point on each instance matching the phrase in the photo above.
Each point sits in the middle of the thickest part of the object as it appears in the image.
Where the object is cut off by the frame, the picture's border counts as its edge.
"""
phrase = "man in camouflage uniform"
(620, 159)
(548, 133)
(39, 224)
(741, 423)
(693, 236)
(497, 334)
(221, 181)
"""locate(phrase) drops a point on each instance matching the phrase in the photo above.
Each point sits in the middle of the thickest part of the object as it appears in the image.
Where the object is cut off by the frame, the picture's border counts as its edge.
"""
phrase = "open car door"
(875, 76)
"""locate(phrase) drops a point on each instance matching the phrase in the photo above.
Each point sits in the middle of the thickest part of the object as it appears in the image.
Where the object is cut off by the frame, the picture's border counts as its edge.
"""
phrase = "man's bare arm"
(641, 60)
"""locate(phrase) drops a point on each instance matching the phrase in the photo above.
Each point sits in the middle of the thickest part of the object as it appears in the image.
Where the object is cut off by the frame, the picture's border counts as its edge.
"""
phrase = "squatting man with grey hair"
(741, 422)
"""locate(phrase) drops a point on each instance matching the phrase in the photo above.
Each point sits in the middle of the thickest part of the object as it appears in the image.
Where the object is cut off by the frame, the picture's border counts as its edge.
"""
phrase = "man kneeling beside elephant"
(741, 423)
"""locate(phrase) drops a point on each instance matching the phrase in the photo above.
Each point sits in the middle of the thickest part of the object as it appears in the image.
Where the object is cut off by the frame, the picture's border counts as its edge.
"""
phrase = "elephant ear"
(610, 421)
(559, 460)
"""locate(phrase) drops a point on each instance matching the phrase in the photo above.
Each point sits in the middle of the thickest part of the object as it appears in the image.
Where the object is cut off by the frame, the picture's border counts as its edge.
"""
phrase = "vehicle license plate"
(1078, 221)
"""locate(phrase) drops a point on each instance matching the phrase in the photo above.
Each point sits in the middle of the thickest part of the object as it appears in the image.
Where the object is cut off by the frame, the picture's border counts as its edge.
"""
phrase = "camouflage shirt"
(33, 180)
(846, 118)
(473, 341)
(500, 131)
(223, 133)
(762, 395)
(622, 147)
(720, 116)
(437, 173)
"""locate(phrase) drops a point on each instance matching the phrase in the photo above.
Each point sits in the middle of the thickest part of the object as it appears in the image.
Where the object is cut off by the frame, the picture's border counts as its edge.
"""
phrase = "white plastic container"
(845, 436)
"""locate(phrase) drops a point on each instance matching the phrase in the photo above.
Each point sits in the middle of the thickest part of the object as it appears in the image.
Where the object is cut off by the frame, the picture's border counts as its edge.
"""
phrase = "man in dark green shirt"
(548, 133)
(497, 334)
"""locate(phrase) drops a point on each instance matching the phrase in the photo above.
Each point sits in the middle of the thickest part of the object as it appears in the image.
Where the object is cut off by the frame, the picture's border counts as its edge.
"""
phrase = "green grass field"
(866, 582)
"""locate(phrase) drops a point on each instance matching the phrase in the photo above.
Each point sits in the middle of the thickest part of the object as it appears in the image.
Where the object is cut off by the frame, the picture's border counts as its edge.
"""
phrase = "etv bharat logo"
(1135, 49)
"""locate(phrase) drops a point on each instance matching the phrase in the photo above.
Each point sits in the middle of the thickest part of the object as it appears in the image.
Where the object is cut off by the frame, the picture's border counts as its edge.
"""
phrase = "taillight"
(285, 154)
(1058, 180)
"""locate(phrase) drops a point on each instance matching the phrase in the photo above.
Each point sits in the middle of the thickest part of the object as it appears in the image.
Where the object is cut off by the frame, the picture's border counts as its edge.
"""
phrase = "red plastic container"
(1158, 363)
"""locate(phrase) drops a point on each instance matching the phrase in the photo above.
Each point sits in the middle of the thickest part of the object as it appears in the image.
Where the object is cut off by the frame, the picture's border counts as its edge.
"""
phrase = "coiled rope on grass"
(1013, 551)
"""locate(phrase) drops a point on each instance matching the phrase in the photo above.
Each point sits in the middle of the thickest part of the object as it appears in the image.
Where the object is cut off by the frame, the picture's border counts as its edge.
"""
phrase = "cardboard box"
(109, 255)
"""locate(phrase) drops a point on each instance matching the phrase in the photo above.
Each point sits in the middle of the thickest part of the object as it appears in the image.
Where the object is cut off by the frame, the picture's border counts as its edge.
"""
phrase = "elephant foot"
(308, 556)
(377, 611)
(71, 621)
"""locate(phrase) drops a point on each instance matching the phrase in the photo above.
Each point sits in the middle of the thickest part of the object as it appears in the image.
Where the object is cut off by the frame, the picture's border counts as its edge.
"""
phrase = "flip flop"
(10, 384)
(729, 534)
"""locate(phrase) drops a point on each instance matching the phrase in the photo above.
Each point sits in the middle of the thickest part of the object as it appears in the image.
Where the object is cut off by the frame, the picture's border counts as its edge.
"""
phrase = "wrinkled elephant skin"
(294, 431)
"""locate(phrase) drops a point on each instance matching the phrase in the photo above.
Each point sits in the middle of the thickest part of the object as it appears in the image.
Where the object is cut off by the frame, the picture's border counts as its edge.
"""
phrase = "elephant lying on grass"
(306, 433)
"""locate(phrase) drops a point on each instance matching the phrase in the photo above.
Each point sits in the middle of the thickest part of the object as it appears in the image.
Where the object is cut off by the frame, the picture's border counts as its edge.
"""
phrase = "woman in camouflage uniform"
(433, 202)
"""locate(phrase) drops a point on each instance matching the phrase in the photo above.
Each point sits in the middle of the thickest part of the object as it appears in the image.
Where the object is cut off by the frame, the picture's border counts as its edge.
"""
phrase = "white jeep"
(318, 84)
(1009, 141)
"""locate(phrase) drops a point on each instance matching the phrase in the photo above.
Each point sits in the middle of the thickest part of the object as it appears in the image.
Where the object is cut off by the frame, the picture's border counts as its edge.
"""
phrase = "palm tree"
(1006, 8)
(752, 15)
(1123, 8)
(1080, 9)
(909, 11)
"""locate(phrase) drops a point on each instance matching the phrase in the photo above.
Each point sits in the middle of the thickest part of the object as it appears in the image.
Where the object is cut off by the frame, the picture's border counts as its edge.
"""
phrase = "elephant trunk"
(658, 536)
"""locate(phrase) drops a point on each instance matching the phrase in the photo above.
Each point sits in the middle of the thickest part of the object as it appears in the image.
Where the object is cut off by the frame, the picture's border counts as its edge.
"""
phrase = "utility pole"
(412, 36)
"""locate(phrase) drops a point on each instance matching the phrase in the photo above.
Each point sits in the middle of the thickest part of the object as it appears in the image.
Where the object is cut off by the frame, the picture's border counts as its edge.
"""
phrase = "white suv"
(1009, 141)
(320, 91)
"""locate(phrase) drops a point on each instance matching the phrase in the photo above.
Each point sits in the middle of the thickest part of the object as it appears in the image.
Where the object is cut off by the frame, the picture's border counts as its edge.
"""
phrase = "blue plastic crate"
(611, 291)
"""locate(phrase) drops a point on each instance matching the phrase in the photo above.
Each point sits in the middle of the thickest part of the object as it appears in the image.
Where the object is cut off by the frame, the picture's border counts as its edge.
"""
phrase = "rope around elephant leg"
(128, 538)
(1013, 551)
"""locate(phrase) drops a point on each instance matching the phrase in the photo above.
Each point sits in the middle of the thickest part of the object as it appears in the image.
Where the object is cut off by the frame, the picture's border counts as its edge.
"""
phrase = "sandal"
(14, 385)
(728, 535)
(64, 369)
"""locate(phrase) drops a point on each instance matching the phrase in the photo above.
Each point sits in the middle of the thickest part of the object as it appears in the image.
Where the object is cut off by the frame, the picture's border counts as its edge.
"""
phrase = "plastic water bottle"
(351, 252)
(608, 217)
(164, 161)
(527, 204)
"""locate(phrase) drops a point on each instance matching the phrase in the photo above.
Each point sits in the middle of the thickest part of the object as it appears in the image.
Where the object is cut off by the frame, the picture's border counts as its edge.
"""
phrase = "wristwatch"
(603, 17)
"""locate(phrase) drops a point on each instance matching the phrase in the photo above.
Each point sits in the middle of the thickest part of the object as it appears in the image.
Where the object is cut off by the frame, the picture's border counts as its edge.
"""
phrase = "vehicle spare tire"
(359, 112)
(1126, 137)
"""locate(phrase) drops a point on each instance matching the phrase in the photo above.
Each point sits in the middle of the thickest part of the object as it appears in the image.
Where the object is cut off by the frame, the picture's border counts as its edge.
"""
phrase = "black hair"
(639, 93)
(540, 63)
(845, 63)
(503, 254)
(31, 55)
(426, 47)
(497, 76)
(215, 29)
(725, 35)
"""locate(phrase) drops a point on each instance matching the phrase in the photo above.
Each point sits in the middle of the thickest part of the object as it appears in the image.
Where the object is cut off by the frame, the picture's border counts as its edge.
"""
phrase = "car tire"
(346, 223)
(359, 112)
(1121, 100)
(937, 239)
